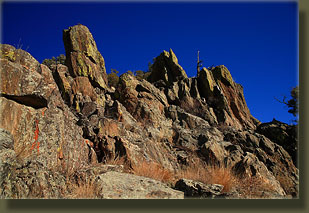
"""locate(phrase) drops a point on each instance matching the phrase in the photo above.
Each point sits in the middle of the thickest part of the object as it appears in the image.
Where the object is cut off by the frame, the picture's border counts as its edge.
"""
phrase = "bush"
(113, 78)
(54, 61)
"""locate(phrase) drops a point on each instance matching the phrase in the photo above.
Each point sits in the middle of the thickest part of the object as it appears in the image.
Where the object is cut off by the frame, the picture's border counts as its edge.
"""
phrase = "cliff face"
(66, 124)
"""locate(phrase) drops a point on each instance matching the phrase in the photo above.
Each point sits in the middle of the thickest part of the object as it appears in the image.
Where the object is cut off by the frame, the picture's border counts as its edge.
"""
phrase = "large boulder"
(115, 185)
(166, 69)
(23, 79)
(83, 57)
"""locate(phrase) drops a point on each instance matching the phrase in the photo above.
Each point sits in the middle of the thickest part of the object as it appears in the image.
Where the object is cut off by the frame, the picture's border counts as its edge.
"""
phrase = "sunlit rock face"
(83, 57)
(64, 127)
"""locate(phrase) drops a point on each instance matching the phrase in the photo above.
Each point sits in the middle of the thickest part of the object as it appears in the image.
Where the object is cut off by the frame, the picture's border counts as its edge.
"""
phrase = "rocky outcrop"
(65, 126)
(83, 57)
(41, 126)
(166, 70)
(282, 134)
(226, 97)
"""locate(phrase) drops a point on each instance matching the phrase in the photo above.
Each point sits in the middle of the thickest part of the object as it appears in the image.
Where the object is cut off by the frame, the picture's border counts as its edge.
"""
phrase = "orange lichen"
(36, 136)
(43, 111)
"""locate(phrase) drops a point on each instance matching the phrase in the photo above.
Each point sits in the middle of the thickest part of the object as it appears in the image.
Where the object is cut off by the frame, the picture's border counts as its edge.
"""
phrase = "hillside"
(65, 133)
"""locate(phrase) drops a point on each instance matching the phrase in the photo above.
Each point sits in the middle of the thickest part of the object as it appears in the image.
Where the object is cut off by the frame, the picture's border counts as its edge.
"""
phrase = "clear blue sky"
(257, 42)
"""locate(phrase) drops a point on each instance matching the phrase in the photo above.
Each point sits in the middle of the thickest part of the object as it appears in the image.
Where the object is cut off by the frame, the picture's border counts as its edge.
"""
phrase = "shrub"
(113, 78)
(54, 61)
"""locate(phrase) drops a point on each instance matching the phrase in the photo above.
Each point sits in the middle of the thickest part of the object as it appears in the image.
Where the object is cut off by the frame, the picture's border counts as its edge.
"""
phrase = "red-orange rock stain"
(36, 136)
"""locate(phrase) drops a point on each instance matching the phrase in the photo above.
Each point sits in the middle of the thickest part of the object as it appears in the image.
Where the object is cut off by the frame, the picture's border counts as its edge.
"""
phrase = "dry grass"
(116, 161)
(222, 175)
(247, 187)
(153, 170)
(210, 174)
(121, 161)
(82, 190)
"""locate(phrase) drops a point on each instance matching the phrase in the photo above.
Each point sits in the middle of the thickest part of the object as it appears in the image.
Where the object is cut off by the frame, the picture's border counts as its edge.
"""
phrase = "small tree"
(54, 61)
(292, 104)
(113, 78)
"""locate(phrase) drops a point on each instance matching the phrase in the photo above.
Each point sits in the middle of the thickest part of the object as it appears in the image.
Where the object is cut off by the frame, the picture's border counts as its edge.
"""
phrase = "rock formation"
(66, 125)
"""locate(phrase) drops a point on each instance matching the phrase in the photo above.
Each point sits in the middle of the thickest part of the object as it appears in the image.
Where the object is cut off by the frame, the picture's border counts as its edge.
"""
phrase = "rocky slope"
(62, 127)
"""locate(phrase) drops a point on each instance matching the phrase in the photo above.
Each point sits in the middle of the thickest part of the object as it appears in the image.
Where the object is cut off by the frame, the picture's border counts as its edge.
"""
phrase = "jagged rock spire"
(166, 69)
(83, 57)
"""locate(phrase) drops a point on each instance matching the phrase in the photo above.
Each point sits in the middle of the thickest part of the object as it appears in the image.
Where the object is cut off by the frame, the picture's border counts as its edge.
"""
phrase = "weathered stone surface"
(83, 57)
(62, 126)
(197, 189)
(64, 81)
(226, 97)
(28, 179)
(41, 125)
(251, 166)
(24, 80)
(167, 69)
(206, 83)
(283, 134)
(115, 185)
(19, 56)
(6, 140)
(142, 100)
(263, 153)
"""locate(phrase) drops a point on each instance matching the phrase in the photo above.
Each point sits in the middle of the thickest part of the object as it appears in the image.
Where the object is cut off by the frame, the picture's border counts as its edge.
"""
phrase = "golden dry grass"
(209, 174)
(153, 170)
(86, 190)
(116, 161)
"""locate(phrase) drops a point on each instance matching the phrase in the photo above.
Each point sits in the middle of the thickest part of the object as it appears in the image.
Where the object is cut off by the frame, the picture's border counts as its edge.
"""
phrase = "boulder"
(115, 185)
(193, 188)
(206, 83)
(83, 57)
(23, 79)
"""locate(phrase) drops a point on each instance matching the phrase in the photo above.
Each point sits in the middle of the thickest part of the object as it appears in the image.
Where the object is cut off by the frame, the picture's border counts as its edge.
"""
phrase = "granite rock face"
(66, 125)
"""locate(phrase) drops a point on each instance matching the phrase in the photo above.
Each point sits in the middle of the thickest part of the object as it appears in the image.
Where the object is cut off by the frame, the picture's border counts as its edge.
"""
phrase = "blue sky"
(257, 42)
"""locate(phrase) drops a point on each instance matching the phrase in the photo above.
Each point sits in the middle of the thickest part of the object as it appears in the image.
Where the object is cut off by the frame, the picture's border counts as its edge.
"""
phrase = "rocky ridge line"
(71, 121)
